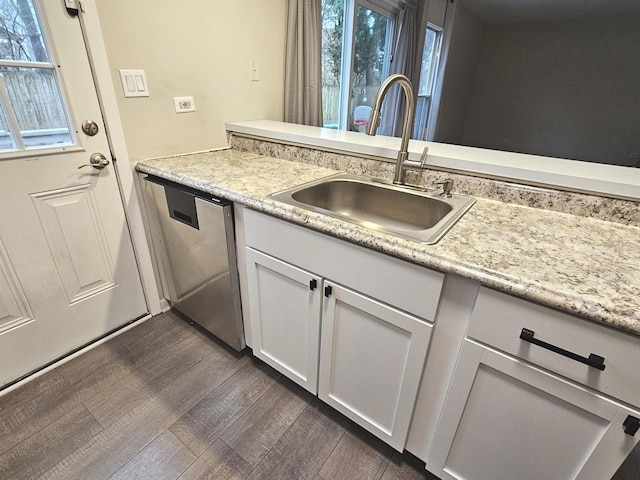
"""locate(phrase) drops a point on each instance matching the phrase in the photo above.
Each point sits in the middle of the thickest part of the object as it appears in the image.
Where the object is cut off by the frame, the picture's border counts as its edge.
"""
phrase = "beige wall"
(201, 48)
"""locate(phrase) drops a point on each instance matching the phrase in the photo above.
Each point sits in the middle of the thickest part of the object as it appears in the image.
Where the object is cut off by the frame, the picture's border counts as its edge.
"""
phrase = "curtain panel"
(303, 71)
(404, 54)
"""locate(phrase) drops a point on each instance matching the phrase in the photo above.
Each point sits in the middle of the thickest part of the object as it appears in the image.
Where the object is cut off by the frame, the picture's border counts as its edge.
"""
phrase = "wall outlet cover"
(184, 104)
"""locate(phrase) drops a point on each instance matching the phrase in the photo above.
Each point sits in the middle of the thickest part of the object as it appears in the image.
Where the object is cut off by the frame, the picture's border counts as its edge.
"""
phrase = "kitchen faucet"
(374, 121)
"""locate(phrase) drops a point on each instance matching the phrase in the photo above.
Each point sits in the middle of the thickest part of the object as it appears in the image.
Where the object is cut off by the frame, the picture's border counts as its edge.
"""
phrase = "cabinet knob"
(328, 290)
(313, 284)
(631, 425)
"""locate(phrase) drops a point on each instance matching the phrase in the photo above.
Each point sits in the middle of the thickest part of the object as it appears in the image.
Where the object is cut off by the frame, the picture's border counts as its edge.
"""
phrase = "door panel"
(75, 234)
(14, 308)
(285, 317)
(499, 407)
(68, 274)
(371, 361)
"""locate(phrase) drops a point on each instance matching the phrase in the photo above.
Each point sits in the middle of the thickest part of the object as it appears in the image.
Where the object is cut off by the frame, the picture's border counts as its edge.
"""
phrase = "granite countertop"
(584, 266)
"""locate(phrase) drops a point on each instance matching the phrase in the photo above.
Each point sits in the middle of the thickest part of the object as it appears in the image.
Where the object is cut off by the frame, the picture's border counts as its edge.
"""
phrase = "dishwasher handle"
(181, 203)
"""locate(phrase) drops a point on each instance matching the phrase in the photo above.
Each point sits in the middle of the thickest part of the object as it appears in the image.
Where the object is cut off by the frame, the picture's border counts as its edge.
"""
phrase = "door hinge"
(73, 6)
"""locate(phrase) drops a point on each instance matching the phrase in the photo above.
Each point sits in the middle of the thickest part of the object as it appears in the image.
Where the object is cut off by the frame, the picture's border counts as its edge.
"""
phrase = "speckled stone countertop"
(581, 265)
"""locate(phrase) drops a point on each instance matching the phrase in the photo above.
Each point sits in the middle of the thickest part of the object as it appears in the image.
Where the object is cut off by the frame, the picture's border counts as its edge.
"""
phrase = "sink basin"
(416, 215)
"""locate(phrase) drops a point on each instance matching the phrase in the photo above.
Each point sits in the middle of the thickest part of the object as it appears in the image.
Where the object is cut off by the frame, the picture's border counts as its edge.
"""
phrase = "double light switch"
(134, 83)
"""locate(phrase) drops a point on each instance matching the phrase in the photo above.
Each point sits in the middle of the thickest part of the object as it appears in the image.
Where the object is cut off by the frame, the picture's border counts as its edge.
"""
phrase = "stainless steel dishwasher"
(193, 238)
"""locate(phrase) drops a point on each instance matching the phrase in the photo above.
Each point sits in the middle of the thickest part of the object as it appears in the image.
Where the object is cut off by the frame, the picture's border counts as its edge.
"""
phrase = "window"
(356, 52)
(32, 112)
(430, 57)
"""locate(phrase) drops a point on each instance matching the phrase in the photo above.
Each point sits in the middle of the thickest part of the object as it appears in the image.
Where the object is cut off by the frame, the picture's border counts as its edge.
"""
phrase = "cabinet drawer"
(412, 288)
(499, 319)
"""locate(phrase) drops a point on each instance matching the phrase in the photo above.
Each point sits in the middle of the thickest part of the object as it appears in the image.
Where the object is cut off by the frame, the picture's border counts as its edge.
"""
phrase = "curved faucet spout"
(374, 120)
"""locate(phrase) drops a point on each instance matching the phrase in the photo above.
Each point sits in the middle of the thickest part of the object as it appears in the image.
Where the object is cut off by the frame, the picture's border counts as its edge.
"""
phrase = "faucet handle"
(423, 157)
(447, 187)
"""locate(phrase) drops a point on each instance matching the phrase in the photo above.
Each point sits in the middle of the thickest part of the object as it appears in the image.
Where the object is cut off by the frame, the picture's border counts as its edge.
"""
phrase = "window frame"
(424, 102)
(19, 149)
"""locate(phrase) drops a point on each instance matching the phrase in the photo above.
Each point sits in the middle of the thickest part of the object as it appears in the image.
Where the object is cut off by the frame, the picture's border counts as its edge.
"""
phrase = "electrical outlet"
(184, 104)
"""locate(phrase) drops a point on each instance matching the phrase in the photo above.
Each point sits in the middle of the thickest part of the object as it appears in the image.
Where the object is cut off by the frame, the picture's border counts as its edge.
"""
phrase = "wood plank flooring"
(166, 401)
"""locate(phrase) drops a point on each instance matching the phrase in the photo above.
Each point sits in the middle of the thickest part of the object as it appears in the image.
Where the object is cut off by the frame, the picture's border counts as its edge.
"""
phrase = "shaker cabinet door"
(371, 361)
(284, 303)
(504, 418)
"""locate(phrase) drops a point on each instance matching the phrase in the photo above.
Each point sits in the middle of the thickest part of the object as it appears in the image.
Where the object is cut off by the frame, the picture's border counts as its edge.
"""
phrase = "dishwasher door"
(195, 243)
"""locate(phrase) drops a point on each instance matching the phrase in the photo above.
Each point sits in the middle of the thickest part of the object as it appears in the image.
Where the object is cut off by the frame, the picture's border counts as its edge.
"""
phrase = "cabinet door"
(505, 419)
(371, 361)
(284, 307)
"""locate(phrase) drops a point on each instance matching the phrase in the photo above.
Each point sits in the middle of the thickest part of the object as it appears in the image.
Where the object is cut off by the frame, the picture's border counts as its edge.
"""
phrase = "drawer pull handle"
(593, 360)
(631, 424)
(313, 284)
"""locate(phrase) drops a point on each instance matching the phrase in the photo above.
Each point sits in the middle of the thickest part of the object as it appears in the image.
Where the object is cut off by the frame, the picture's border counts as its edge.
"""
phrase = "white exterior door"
(68, 274)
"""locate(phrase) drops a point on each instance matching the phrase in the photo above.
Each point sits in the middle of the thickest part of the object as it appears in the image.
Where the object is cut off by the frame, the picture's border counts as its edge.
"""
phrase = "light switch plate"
(134, 83)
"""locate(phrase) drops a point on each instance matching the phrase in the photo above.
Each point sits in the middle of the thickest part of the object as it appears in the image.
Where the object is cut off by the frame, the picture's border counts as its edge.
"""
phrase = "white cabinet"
(368, 361)
(284, 304)
(371, 360)
(507, 418)
(371, 355)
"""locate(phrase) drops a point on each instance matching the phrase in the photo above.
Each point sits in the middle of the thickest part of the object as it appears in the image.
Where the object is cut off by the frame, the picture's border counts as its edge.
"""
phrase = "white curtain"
(303, 79)
(404, 54)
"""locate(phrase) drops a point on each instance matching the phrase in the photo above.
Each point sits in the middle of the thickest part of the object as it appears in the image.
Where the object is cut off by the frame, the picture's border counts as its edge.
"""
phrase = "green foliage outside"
(370, 37)
(369, 50)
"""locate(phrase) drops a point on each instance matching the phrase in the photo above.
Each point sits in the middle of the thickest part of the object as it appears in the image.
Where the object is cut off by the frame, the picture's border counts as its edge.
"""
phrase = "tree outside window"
(368, 67)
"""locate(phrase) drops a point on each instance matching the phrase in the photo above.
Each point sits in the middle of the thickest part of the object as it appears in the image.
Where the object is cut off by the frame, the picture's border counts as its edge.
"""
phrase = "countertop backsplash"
(624, 212)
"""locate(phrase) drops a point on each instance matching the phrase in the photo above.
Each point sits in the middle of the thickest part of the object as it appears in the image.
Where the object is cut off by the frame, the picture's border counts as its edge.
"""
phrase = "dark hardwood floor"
(165, 401)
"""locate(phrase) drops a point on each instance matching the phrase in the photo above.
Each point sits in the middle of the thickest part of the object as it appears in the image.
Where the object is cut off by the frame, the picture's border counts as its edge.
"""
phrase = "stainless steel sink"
(416, 215)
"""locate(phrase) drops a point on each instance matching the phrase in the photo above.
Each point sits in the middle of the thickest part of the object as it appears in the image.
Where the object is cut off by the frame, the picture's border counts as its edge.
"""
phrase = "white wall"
(201, 48)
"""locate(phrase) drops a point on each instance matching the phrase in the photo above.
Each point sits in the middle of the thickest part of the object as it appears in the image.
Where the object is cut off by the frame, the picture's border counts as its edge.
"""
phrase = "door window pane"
(21, 38)
(372, 38)
(36, 103)
(33, 93)
(33, 112)
(6, 139)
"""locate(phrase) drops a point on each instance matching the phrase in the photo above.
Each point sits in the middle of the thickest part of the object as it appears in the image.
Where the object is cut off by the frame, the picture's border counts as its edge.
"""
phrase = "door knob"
(89, 127)
(97, 160)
